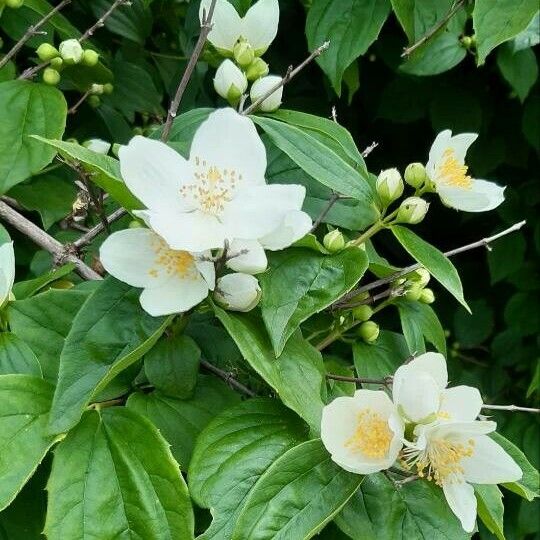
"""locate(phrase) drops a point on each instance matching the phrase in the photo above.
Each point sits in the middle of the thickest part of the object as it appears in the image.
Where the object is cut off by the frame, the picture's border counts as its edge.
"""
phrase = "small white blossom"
(7, 271)
(263, 85)
(238, 292)
(230, 82)
(71, 51)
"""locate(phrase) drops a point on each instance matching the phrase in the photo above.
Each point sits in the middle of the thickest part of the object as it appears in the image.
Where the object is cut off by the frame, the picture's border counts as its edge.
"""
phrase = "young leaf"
(297, 495)
(114, 475)
(301, 283)
(24, 289)
(434, 261)
(490, 508)
(17, 357)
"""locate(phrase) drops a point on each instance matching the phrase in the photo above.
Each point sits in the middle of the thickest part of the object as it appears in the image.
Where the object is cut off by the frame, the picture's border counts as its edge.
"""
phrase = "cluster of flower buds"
(415, 287)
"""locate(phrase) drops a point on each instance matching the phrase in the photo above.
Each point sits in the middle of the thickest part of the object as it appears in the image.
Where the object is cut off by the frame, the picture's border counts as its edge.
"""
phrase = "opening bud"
(47, 52)
(261, 87)
(334, 241)
(51, 76)
(369, 331)
(57, 63)
(257, 69)
(414, 292)
(90, 57)
(97, 89)
(71, 51)
(415, 175)
(389, 186)
(230, 82)
(237, 292)
(362, 313)
(420, 276)
(412, 210)
(427, 296)
(243, 53)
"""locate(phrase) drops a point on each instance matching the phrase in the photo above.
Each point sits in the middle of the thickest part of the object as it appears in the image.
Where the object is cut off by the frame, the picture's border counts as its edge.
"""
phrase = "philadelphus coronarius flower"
(173, 281)
(7, 271)
(263, 85)
(238, 292)
(219, 194)
(258, 27)
(230, 81)
(447, 170)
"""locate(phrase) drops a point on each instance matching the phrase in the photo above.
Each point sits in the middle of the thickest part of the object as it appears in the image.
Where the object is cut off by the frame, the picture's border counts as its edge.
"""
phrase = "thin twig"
(288, 76)
(331, 201)
(512, 408)
(228, 378)
(386, 381)
(455, 8)
(369, 149)
(97, 229)
(60, 253)
(74, 108)
(206, 26)
(32, 31)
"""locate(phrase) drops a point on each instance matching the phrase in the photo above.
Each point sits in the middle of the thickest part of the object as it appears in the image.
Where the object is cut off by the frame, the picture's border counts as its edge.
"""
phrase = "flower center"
(372, 436)
(213, 187)
(172, 262)
(452, 172)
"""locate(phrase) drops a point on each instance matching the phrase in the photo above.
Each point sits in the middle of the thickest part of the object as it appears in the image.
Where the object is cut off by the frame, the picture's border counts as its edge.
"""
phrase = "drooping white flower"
(455, 454)
(363, 433)
(447, 170)
(173, 281)
(97, 145)
(7, 271)
(219, 193)
(230, 82)
(260, 88)
(420, 394)
(238, 292)
(258, 27)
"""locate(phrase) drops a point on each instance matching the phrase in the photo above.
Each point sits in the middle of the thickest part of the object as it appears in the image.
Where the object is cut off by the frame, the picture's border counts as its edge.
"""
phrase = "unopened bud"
(415, 175)
(51, 76)
(135, 224)
(466, 41)
(243, 53)
(362, 313)
(257, 69)
(57, 63)
(368, 331)
(94, 101)
(420, 276)
(47, 52)
(108, 88)
(414, 292)
(90, 57)
(389, 186)
(334, 241)
(14, 4)
(71, 51)
(427, 296)
(238, 292)
(97, 89)
(261, 87)
(412, 210)
(230, 82)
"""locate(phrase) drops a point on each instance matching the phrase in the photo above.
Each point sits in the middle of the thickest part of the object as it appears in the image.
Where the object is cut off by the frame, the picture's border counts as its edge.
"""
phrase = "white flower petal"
(459, 430)
(490, 464)
(481, 197)
(226, 24)
(228, 140)
(461, 403)
(295, 225)
(444, 141)
(7, 267)
(440, 144)
(417, 396)
(247, 256)
(462, 501)
(260, 24)
(154, 173)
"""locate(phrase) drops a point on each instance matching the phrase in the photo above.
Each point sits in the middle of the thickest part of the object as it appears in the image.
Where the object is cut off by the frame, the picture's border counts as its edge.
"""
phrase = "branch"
(288, 76)
(45, 241)
(175, 104)
(456, 7)
(228, 378)
(73, 110)
(331, 201)
(31, 31)
(512, 408)
(97, 229)
(386, 381)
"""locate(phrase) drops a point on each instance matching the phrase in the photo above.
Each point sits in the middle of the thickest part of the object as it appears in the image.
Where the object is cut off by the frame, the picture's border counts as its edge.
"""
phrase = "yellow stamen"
(453, 173)
(172, 262)
(372, 436)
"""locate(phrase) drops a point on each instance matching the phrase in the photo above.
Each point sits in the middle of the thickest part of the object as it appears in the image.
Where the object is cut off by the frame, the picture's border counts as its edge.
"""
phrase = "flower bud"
(47, 52)
(57, 63)
(108, 88)
(420, 276)
(414, 292)
(94, 101)
(238, 292)
(90, 57)
(412, 210)
(427, 296)
(230, 82)
(98, 146)
(415, 174)
(14, 4)
(261, 87)
(389, 186)
(97, 89)
(362, 313)
(71, 51)
(466, 41)
(257, 69)
(135, 224)
(51, 76)
(368, 331)
(334, 241)
(243, 53)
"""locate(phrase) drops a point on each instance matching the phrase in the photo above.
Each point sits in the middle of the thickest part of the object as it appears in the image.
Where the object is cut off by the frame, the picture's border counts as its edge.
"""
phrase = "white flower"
(97, 145)
(258, 27)
(447, 170)
(247, 256)
(363, 433)
(453, 454)
(238, 292)
(263, 85)
(420, 394)
(7, 271)
(71, 51)
(173, 281)
(219, 193)
(230, 82)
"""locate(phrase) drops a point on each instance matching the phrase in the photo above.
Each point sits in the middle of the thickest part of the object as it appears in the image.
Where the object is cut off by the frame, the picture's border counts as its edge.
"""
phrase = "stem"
(73, 109)
(331, 201)
(228, 378)
(375, 228)
(512, 408)
(97, 229)
(360, 380)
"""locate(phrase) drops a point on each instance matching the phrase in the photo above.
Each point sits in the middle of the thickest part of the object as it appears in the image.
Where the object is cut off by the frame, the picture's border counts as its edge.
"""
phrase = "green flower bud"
(362, 313)
(14, 4)
(90, 57)
(57, 63)
(368, 331)
(243, 53)
(47, 52)
(257, 69)
(412, 210)
(466, 41)
(427, 296)
(108, 88)
(473, 40)
(334, 241)
(389, 186)
(414, 292)
(415, 175)
(97, 89)
(94, 101)
(51, 76)
(420, 276)
(135, 224)
(71, 51)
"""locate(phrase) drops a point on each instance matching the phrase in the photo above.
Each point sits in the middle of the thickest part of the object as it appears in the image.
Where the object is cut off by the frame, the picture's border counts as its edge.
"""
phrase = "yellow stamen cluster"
(172, 262)
(453, 173)
(372, 436)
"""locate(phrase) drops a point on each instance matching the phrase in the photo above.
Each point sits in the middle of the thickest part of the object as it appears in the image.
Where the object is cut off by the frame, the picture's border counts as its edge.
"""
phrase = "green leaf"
(520, 69)
(114, 476)
(232, 452)
(438, 265)
(181, 421)
(419, 321)
(529, 37)
(26, 401)
(17, 357)
(506, 256)
(172, 365)
(529, 123)
(497, 22)
(317, 160)
(351, 26)
(472, 329)
(29, 109)
(415, 510)
(43, 322)
(490, 508)
(297, 375)
(109, 333)
(133, 22)
(297, 495)
(25, 289)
